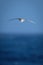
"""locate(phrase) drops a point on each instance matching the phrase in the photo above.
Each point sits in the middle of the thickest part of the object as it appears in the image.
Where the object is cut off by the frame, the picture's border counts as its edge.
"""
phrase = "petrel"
(22, 20)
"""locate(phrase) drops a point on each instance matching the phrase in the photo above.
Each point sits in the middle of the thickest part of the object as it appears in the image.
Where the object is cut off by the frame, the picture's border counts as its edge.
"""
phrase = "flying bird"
(22, 20)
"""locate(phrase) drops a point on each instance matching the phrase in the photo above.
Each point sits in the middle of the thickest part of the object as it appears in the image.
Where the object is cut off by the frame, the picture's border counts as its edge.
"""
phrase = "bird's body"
(21, 19)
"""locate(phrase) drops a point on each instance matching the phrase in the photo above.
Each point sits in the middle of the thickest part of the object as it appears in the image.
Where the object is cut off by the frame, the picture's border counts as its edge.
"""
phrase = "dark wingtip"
(12, 19)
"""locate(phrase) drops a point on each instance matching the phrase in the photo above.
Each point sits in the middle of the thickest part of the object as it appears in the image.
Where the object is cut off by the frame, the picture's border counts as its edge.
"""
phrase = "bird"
(22, 20)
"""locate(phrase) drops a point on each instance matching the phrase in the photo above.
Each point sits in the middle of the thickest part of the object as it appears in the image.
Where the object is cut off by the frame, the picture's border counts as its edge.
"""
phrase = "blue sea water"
(21, 49)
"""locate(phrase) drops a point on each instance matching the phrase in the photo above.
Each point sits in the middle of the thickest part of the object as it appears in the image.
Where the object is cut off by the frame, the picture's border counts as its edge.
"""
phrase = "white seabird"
(22, 20)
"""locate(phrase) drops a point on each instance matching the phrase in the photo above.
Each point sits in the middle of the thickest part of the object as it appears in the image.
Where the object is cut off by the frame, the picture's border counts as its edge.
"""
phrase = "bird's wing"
(31, 21)
(13, 19)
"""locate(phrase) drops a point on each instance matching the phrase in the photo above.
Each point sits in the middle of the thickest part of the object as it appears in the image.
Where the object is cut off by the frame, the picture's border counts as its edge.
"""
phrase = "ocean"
(21, 49)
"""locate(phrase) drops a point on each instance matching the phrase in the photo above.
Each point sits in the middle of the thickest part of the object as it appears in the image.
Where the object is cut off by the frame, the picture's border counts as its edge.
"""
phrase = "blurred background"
(21, 43)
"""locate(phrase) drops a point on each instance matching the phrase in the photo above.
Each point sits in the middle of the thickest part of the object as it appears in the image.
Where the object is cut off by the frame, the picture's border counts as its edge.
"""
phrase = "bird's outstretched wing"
(13, 19)
(31, 21)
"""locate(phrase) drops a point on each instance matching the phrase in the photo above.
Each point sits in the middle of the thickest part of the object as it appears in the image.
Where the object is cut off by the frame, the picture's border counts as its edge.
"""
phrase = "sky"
(29, 9)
